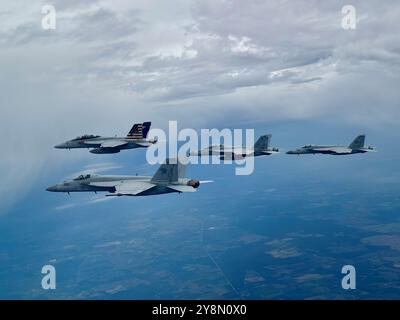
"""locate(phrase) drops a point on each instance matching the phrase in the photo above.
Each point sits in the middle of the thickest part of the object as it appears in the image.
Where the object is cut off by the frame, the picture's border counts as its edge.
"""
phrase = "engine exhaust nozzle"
(194, 183)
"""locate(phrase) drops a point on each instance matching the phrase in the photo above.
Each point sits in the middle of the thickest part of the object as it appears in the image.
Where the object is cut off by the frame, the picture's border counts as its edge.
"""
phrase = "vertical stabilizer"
(171, 171)
(139, 130)
(358, 142)
(263, 142)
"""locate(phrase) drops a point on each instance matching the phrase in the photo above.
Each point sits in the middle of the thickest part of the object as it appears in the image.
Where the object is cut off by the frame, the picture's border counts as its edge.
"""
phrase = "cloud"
(95, 169)
(282, 249)
(204, 63)
(311, 277)
(391, 241)
(100, 199)
(65, 206)
(92, 200)
(108, 244)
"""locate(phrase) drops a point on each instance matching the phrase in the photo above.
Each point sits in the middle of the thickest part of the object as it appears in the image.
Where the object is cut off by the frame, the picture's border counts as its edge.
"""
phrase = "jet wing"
(233, 155)
(142, 144)
(236, 154)
(107, 143)
(338, 150)
(181, 188)
(132, 188)
(113, 143)
(125, 187)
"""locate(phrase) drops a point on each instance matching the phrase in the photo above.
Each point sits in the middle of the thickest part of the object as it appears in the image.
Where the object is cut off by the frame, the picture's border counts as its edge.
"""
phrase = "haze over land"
(281, 67)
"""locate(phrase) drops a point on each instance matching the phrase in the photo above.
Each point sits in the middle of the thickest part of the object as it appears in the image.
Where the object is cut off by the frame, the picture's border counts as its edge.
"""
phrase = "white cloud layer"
(110, 63)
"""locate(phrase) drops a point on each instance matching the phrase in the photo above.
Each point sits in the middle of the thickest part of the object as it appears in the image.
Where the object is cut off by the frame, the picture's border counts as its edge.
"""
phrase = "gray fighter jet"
(357, 146)
(170, 177)
(260, 148)
(136, 138)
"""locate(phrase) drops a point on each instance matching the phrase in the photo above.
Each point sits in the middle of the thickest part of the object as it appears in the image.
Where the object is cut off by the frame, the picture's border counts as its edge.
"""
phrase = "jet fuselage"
(107, 183)
(227, 152)
(97, 142)
(332, 150)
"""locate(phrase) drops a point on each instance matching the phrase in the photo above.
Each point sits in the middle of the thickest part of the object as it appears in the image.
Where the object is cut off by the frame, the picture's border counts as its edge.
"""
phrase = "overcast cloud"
(205, 63)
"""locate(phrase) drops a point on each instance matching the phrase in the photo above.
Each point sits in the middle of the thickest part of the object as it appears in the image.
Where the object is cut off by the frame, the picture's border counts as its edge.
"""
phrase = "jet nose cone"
(52, 188)
(59, 146)
(290, 152)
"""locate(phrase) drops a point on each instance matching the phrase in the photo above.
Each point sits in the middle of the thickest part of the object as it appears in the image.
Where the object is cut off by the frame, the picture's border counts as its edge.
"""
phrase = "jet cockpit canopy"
(86, 136)
(83, 177)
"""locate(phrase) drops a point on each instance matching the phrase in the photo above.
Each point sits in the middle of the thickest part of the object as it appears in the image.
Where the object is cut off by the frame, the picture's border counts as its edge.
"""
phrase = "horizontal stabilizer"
(182, 188)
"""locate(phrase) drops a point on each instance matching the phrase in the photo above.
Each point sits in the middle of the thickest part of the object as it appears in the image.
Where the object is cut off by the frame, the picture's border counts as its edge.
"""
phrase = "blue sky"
(205, 64)
(45, 227)
(281, 67)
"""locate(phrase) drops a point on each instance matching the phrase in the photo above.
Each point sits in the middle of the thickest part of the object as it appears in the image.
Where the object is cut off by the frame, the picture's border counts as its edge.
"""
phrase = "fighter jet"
(136, 138)
(170, 177)
(357, 146)
(260, 148)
